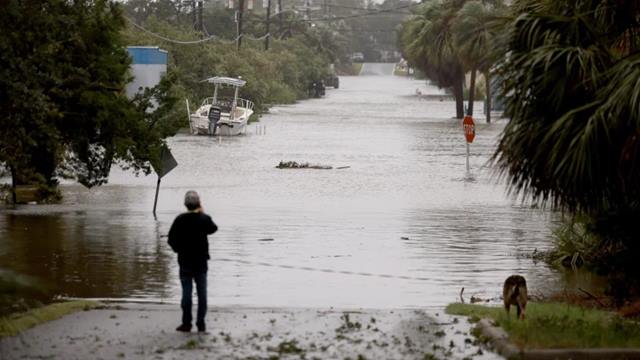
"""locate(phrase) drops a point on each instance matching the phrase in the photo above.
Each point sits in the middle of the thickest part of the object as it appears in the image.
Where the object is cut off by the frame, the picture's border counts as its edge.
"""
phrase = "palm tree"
(475, 36)
(427, 44)
(571, 86)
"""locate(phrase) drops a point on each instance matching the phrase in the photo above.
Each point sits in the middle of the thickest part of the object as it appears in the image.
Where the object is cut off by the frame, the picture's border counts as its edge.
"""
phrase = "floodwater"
(405, 208)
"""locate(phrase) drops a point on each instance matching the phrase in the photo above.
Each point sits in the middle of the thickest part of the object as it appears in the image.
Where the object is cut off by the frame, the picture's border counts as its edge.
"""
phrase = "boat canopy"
(226, 81)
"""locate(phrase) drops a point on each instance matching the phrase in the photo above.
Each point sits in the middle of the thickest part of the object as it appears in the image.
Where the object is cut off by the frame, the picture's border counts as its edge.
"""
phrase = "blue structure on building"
(147, 68)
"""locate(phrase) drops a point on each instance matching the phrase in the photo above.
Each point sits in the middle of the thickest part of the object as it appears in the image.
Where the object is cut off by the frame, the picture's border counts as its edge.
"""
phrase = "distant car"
(357, 57)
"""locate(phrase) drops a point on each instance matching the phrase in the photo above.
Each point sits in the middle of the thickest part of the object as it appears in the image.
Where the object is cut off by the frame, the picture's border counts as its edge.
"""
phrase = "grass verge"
(357, 68)
(555, 325)
(12, 324)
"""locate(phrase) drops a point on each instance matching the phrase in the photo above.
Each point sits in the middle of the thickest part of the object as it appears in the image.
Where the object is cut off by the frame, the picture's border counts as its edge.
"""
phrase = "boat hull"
(231, 128)
(224, 127)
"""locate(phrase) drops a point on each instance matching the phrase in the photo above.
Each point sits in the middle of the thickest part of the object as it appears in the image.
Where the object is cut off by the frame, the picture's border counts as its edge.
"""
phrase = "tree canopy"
(571, 85)
(427, 42)
(447, 38)
(62, 80)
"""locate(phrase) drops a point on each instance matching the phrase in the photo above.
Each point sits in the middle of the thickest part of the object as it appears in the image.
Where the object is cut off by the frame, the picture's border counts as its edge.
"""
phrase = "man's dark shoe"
(184, 328)
(202, 328)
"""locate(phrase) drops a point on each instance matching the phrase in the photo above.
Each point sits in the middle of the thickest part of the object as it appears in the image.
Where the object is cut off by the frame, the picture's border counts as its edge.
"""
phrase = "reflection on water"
(88, 254)
(405, 206)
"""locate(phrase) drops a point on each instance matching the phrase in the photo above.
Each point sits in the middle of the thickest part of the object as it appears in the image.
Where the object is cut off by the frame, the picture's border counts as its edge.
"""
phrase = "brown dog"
(515, 293)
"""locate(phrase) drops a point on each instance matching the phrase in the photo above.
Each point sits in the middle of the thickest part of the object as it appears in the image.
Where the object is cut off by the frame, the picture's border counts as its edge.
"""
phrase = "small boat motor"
(214, 116)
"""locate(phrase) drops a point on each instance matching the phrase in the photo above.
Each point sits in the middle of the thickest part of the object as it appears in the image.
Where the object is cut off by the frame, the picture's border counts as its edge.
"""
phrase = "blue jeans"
(187, 278)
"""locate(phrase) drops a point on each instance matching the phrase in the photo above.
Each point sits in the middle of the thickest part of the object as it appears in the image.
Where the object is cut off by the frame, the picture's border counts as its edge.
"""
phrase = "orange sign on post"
(469, 128)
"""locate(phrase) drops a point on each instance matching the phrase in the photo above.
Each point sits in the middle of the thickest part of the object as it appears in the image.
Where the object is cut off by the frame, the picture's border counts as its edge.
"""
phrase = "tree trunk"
(240, 11)
(13, 183)
(472, 92)
(487, 78)
(280, 23)
(458, 94)
(268, 35)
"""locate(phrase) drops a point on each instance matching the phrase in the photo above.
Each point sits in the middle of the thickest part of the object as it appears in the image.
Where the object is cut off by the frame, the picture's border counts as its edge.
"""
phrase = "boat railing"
(207, 101)
(244, 103)
(226, 103)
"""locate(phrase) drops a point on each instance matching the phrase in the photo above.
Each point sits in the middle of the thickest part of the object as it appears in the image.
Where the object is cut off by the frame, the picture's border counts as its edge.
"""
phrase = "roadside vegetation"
(19, 293)
(62, 95)
(280, 75)
(555, 325)
(570, 75)
(62, 90)
(356, 68)
(12, 324)
(26, 302)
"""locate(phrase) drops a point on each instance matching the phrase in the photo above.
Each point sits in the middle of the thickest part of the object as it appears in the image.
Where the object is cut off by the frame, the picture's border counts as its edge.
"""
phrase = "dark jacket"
(188, 238)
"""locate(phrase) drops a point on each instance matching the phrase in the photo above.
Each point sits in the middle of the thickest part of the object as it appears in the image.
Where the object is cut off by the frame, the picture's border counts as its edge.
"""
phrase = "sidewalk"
(136, 331)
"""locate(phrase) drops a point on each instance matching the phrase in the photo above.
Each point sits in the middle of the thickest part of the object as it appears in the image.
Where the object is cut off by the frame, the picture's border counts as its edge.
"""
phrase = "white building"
(147, 68)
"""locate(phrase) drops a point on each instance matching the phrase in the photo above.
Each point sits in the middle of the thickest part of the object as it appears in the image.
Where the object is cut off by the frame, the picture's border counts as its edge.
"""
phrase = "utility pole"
(193, 14)
(240, 10)
(307, 8)
(307, 11)
(201, 24)
(280, 24)
(266, 39)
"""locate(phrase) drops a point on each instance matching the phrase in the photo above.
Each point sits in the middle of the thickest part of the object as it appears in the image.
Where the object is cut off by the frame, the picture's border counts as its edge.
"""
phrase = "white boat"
(222, 116)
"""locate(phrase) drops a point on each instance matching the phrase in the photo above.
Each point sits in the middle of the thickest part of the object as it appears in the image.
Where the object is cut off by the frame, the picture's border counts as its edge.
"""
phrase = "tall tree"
(62, 94)
(476, 37)
(571, 86)
(428, 44)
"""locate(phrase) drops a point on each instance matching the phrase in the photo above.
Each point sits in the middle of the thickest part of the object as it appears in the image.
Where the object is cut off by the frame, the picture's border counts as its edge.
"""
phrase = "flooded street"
(403, 208)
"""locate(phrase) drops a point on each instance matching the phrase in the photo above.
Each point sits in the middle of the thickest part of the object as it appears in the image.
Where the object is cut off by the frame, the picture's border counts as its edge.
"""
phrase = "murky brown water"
(405, 207)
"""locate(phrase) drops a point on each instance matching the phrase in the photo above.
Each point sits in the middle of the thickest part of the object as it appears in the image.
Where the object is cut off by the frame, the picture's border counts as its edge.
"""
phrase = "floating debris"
(266, 239)
(477, 299)
(297, 165)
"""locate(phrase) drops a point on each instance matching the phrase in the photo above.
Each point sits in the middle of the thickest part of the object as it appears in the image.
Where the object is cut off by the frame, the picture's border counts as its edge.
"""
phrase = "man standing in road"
(188, 238)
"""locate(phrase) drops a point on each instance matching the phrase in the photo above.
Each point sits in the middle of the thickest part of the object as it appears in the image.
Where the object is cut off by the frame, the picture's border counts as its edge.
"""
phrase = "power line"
(373, 13)
(180, 42)
(349, 7)
(369, 30)
(253, 38)
(381, 11)
(352, 7)
(210, 38)
(214, 37)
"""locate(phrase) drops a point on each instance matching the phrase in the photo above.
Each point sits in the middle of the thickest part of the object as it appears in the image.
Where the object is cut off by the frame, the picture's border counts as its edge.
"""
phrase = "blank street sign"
(167, 162)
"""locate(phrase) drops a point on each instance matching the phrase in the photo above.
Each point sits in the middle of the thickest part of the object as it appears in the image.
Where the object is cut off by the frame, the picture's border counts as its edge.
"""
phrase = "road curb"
(500, 341)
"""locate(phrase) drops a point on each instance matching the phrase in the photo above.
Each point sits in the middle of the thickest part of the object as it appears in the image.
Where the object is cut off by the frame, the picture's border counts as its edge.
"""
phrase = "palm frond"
(574, 103)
